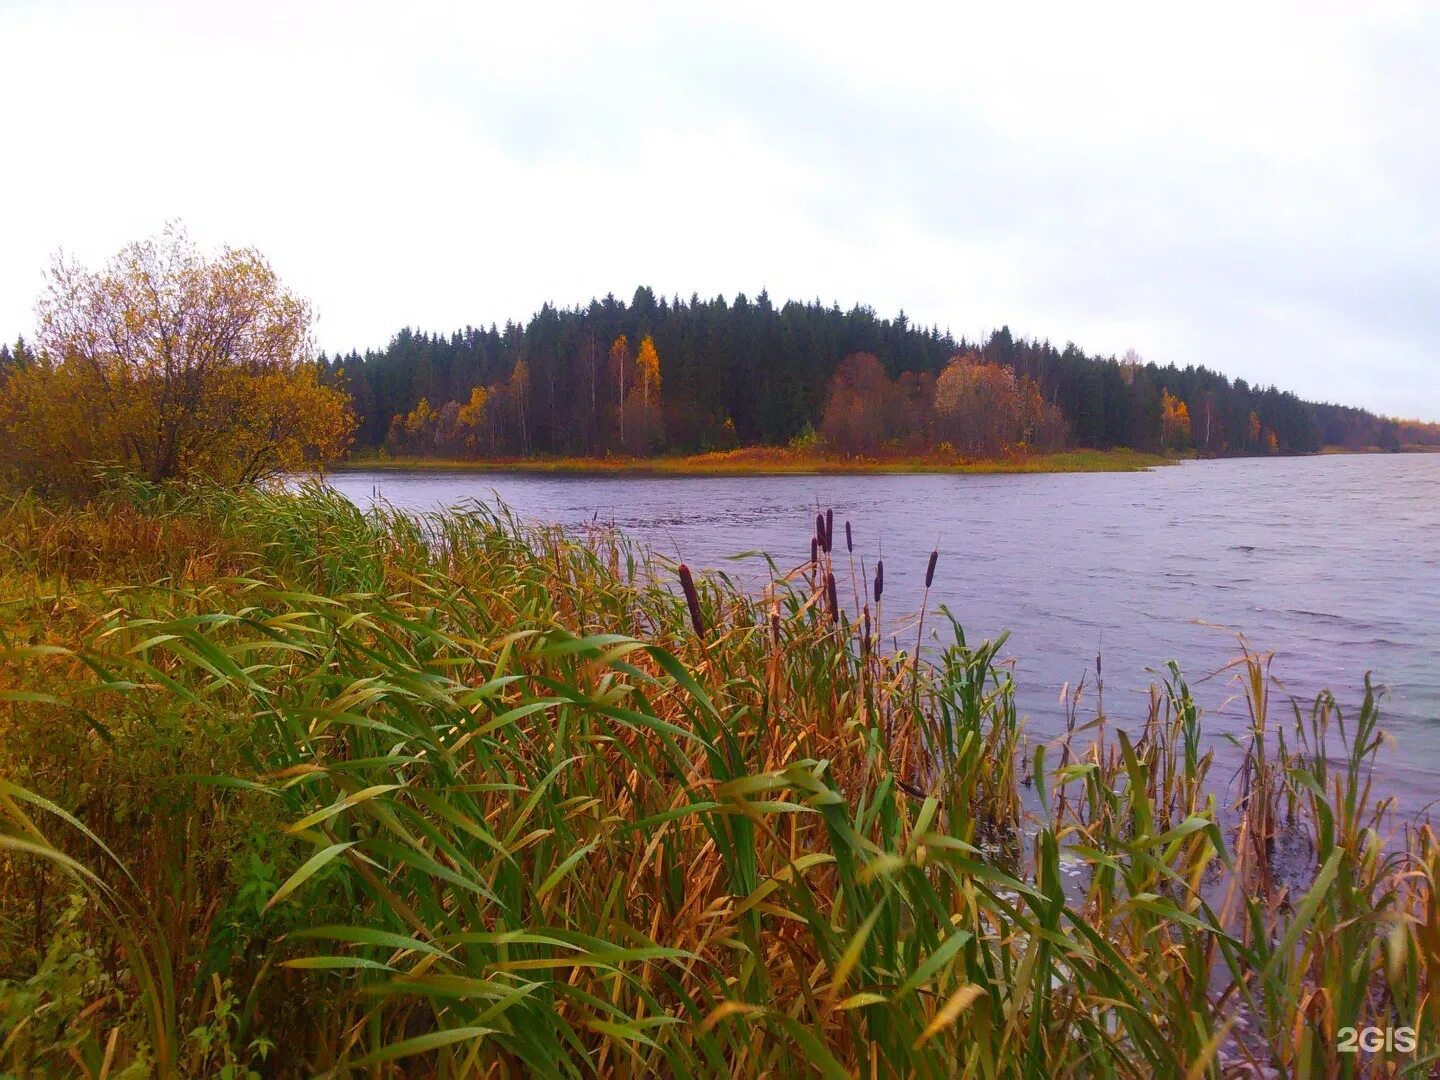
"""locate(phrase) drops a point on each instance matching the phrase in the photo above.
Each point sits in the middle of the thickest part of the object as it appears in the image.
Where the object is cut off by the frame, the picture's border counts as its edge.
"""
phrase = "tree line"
(231, 390)
(749, 372)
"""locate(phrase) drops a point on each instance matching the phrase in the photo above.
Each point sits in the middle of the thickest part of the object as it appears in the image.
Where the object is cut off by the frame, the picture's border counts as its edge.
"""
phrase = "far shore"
(761, 461)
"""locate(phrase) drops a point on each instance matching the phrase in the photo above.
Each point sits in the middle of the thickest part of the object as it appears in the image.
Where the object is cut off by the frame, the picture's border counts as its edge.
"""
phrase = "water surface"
(1331, 563)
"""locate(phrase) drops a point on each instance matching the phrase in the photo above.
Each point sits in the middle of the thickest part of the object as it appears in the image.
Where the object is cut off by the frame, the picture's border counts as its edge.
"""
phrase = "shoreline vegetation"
(779, 461)
(288, 788)
(762, 461)
(293, 788)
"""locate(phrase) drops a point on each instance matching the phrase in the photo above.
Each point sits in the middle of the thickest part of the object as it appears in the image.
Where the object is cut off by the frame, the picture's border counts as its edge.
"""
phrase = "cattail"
(831, 597)
(820, 528)
(829, 530)
(814, 551)
(879, 580)
(775, 626)
(930, 570)
(692, 598)
(849, 540)
(865, 637)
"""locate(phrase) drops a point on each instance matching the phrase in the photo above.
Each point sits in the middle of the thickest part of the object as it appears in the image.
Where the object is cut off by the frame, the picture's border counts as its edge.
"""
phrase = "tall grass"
(347, 793)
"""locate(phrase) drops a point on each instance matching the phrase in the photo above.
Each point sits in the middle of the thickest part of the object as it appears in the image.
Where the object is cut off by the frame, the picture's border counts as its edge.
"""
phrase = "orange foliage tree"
(172, 365)
(983, 409)
(859, 411)
(973, 407)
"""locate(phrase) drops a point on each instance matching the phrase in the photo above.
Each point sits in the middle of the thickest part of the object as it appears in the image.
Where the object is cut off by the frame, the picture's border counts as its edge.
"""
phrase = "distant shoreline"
(1409, 448)
(764, 461)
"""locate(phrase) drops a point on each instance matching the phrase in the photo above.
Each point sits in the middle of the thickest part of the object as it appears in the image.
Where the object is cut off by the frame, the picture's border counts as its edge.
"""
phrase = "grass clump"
(316, 791)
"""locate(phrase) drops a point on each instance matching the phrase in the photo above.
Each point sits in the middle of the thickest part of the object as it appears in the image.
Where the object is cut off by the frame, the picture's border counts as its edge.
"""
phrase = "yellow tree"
(173, 365)
(414, 430)
(619, 366)
(1174, 422)
(640, 416)
(647, 372)
(471, 417)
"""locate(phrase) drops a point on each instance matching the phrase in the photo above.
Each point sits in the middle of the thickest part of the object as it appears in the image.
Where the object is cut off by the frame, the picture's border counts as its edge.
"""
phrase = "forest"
(718, 374)
(668, 375)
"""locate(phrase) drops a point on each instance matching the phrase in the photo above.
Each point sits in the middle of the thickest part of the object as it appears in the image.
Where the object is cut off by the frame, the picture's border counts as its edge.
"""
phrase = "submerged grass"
(291, 789)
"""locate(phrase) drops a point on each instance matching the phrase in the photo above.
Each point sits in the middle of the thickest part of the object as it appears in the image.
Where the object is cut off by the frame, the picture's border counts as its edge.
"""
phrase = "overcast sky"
(1251, 187)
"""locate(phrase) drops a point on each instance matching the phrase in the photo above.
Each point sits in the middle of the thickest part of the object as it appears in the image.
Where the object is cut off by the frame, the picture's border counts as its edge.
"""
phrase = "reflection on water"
(1331, 562)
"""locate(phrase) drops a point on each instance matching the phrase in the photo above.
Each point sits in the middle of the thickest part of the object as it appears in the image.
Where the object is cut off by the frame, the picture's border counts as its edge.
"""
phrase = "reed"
(692, 600)
(364, 794)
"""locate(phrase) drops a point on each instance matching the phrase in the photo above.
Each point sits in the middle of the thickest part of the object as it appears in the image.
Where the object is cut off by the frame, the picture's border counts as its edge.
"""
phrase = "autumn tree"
(620, 365)
(1253, 432)
(647, 372)
(1174, 422)
(912, 410)
(640, 413)
(173, 365)
(984, 409)
(859, 410)
(973, 402)
(472, 420)
(414, 432)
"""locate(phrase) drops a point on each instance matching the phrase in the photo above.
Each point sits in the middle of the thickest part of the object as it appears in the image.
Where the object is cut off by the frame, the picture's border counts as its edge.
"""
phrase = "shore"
(760, 461)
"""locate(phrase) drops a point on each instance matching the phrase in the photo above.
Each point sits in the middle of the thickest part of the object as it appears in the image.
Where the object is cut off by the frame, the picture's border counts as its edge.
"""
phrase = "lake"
(1332, 563)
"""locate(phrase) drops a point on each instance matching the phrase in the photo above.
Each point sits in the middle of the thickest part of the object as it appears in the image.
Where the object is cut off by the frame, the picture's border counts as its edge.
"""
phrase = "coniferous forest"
(749, 372)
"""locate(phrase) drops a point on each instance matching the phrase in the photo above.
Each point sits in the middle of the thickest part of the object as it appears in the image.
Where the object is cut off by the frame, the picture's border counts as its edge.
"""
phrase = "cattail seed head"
(879, 580)
(849, 540)
(930, 570)
(832, 597)
(692, 600)
(829, 530)
(820, 529)
(814, 551)
(775, 627)
(865, 636)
